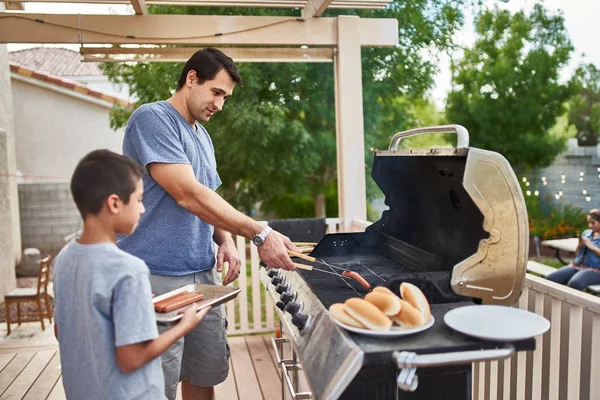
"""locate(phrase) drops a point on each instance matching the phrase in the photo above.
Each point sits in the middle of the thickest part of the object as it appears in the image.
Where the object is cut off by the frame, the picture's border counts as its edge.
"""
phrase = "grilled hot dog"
(358, 278)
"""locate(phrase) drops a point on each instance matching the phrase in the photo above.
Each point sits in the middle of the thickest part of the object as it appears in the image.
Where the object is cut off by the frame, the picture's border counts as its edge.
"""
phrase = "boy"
(104, 317)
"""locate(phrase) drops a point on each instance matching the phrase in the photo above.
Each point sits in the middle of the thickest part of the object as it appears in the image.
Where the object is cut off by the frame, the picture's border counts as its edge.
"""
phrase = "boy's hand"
(191, 318)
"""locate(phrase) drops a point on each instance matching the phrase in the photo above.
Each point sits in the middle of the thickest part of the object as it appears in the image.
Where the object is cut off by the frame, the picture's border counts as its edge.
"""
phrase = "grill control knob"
(300, 320)
(277, 280)
(286, 297)
(282, 288)
(292, 307)
(280, 305)
(273, 273)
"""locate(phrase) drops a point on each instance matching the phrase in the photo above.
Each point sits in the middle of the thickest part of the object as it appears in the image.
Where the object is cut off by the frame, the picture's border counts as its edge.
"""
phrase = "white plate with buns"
(501, 323)
(383, 313)
(394, 331)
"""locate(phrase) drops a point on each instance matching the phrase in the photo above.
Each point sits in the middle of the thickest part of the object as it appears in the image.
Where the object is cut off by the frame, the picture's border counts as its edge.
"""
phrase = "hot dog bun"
(409, 316)
(383, 289)
(389, 304)
(416, 298)
(337, 311)
(367, 314)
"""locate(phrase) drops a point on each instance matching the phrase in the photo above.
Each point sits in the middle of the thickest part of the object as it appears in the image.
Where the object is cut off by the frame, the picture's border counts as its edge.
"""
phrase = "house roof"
(67, 84)
(55, 61)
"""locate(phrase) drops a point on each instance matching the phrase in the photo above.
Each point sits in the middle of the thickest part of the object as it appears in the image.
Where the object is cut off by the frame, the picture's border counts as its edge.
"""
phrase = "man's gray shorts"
(202, 356)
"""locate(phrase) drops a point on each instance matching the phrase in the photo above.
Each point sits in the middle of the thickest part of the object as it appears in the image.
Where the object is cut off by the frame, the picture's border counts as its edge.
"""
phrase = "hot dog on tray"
(178, 301)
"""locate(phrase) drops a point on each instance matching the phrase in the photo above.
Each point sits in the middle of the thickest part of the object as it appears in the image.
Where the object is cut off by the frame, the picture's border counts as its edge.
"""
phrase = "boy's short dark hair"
(100, 174)
(207, 63)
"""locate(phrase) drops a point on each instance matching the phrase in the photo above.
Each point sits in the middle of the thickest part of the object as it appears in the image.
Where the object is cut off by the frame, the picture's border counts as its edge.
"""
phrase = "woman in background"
(585, 269)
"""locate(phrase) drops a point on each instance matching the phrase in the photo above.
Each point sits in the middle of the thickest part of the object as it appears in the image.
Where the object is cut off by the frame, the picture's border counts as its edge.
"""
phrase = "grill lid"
(464, 206)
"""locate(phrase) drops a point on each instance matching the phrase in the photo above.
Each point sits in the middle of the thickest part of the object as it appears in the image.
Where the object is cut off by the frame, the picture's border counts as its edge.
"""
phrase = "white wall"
(53, 131)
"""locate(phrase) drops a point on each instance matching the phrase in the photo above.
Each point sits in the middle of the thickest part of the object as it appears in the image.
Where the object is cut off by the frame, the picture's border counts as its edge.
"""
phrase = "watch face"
(257, 240)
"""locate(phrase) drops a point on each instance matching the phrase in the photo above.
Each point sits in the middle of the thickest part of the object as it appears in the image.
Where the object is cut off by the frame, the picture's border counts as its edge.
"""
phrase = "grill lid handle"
(462, 135)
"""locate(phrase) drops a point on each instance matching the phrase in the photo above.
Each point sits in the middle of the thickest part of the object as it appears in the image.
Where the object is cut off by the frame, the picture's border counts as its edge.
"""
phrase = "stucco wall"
(48, 214)
(10, 243)
(54, 130)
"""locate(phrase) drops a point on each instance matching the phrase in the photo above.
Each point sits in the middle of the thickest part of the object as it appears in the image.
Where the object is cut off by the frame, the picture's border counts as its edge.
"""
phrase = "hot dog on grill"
(356, 276)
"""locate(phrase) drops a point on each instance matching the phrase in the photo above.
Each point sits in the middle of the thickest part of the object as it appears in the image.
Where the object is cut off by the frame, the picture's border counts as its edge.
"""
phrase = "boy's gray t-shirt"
(170, 239)
(103, 300)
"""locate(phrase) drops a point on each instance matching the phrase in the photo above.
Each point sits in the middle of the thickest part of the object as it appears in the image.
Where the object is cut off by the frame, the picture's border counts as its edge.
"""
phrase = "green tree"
(506, 88)
(584, 107)
(275, 139)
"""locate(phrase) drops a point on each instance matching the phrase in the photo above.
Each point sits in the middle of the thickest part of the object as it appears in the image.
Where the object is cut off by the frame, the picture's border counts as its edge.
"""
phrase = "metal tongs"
(347, 274)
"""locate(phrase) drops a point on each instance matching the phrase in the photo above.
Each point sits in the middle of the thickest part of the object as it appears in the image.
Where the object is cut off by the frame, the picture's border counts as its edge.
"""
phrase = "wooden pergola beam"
(14, 5)
(315, 8)
(139, 6)
(178, 54)
(205, 30)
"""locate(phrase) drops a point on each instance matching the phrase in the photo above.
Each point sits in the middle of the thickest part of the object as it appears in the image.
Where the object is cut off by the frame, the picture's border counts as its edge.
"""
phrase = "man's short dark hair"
(207, 63)
(100, 174)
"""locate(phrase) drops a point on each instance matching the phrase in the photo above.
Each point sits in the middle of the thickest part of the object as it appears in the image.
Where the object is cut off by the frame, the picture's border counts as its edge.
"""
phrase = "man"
(184, 215)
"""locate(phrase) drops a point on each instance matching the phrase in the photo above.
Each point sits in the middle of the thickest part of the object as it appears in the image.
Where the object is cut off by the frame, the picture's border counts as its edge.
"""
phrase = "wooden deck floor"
(32, 372)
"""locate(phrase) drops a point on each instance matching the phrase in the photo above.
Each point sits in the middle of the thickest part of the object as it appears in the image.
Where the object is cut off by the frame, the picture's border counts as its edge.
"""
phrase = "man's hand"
(228, 254)
(274, 253)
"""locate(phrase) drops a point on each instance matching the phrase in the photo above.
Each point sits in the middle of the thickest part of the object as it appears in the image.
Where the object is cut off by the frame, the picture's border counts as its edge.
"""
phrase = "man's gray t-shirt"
(103, 300)
(170, 239)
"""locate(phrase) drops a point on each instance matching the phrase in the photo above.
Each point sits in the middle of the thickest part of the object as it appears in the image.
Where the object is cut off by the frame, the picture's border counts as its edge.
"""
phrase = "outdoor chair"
(34, 294)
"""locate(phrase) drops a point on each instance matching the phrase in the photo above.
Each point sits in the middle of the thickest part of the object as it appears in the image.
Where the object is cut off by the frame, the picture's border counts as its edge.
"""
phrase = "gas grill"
(457, 228)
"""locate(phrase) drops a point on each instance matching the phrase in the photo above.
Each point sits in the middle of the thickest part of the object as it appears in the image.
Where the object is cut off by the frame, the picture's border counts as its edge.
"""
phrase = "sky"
(581, 16)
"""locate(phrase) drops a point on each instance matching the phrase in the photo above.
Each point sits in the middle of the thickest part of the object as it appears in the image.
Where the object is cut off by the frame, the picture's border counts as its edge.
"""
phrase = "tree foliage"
(506, 88)
(584, 107)
(275, 138)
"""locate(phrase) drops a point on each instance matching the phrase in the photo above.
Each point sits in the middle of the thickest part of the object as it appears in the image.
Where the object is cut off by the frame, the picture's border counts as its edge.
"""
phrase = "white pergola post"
(10, 232)
(352, 199)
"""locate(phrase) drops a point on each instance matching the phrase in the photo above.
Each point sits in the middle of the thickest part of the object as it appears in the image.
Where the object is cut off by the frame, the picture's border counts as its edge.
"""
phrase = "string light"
(544, 178)
(580, 179)
(524, 179)
(526, 183)
(563, 181)
(557, 196)
(537, 193)
(528, 193)
(563, 177)
(560, 192)
(584, 191)
(581, 173)
(545, 183)
(588, 198)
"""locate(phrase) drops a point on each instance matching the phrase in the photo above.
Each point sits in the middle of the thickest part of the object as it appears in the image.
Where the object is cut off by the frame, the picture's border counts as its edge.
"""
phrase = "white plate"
(395, 330)
(496, 322)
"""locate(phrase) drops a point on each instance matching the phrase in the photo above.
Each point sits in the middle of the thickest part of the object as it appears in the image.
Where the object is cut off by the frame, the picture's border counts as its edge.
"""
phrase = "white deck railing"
(566, 362)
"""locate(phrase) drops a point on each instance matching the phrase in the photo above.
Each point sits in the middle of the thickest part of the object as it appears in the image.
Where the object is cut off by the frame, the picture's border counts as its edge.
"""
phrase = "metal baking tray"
(217, 293)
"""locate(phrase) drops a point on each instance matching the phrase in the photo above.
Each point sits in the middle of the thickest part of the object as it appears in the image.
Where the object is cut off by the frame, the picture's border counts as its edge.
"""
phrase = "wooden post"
(352, 198)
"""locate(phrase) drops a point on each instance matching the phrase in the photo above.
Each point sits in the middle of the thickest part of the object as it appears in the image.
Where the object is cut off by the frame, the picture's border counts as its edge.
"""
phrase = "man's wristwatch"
(259, 238)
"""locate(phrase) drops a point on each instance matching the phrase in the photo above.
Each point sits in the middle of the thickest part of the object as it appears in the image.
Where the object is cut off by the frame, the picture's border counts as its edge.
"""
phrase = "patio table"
(567, 245)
